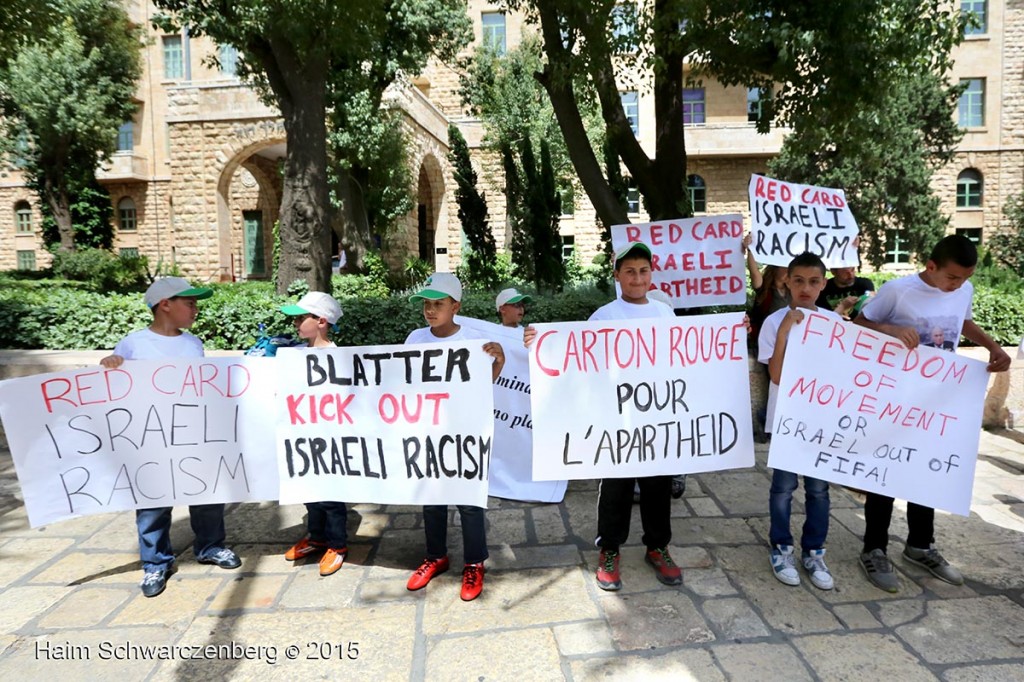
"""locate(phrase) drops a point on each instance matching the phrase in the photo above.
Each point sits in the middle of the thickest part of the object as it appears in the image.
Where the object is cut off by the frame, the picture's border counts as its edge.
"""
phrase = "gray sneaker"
(880, 571)
(934, 563)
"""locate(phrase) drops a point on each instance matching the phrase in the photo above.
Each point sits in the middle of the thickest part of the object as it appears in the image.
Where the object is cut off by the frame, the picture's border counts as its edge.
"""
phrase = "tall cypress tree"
(482, 251)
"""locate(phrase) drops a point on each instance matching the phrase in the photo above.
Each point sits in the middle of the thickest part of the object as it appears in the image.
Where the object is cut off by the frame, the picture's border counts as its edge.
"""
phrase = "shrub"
(102, 270)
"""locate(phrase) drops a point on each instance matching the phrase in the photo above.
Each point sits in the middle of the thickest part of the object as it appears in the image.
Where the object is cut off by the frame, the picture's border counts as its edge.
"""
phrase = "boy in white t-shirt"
(172, 301)
(805, 281)
(911, 309)
(314, 316)
(615, 495)
(442, 295)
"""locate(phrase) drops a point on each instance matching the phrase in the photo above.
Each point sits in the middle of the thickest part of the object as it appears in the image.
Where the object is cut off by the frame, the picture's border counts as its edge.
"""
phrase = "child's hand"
(746, 241)
(112, 361)
(844, 307)
(495, 350)
(908, 335)
(998, 360)
(794, 316)
(529, 334)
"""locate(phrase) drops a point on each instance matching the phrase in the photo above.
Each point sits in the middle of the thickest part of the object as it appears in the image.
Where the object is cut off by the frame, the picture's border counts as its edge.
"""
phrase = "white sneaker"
(814, 564)
(784, 564)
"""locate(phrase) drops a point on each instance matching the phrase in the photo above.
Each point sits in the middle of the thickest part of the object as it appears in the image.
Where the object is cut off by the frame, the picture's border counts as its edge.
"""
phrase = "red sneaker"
(664, 568)
(608, 570)
(472, 581)
(332, 560)
(426, 572)
(304, 548)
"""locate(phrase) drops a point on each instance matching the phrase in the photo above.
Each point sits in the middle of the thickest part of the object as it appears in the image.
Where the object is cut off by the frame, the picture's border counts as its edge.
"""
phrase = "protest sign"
(695, 261)
(855, 407)
(788, 219)
(511, 475)
(388, 424)
(642, 397)
(148, 434)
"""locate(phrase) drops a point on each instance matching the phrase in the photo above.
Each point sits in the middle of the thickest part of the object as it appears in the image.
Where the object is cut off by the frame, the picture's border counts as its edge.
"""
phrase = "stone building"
(195, 180)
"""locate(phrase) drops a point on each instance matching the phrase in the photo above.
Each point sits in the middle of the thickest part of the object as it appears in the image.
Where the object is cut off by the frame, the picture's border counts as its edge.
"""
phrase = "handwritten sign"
(511, 475)
(857, 408)
(695, 261)
(388, 424)
(788, 219)
(640, 397)
(148, 434)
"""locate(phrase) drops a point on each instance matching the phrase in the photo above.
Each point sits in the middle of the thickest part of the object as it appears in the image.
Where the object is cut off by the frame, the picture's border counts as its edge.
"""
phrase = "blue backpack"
(266, 346)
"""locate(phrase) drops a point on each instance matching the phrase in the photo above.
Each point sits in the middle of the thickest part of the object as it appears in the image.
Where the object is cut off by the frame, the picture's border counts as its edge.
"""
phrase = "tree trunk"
(352, 224)
(60, 206)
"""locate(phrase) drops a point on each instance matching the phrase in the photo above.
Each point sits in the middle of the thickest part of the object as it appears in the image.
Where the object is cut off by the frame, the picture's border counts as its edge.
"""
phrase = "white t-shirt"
(910, 302)
(766, 347)
(621, 310)
(425, 335)
(146, 344)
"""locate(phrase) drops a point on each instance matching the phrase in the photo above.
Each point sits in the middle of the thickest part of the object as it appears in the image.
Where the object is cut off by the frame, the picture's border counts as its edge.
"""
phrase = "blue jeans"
(326, 523)
(474, 535)
(780, 504)
(155, 533)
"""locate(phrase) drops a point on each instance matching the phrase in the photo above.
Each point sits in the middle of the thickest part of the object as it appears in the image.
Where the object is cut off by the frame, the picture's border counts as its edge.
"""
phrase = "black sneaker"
(222, 557)
(154, 582)
(678, 486)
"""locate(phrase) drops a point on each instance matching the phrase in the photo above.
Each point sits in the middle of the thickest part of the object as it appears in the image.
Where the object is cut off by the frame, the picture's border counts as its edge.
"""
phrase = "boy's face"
(440, 312)
(634, 276)
(512, 314)
(307, 326)
(805, 284)
(181, 311)
(949, 277)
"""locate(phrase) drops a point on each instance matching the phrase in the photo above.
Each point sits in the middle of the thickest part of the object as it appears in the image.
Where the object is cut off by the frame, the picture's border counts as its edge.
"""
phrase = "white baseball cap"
(171, 287)
(510, 296)
(315, 303)
(625, 250)
(438, 286)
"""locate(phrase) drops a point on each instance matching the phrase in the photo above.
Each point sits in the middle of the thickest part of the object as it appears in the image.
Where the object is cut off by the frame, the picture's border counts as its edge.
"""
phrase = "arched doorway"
(248, 205)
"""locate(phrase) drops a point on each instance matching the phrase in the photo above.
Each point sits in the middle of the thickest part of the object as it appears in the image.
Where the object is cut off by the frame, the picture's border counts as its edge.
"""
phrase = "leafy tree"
(20, 21)
(92, 215)
(884, 160)
(64, 95)
(482, 250)
(534, 210)
(1007, 247)
(311, 59)
(827, 59)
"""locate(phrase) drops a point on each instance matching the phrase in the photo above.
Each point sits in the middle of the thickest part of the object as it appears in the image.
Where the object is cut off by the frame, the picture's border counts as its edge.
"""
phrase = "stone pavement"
(70, 605)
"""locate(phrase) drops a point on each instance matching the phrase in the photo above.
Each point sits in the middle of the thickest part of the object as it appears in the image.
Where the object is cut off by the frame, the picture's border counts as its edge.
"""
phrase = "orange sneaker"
(304, 548)
(332, 560)
(472, 581)
(426, 572)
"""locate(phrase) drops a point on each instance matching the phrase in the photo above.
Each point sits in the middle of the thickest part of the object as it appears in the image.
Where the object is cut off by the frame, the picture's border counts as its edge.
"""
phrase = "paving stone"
(707, 531)
(372, 525)
(865, 656)
(85, 654)
(264, 522)
(653, 620)
(405, 521)
(793, 610)
(179, 603)
(548, 524)
(735, 619)
(249, 592)
(740, 492)
(900, 612)
(523, 655)
(308, 589)
(755, 661)
(24, 555)
(856, 617)
(503, 525)
(587, 638)
(964, 630)
(534, 557)
(708, 582)
(20, 605)
(704, 507)
(92, 568)
(83, 608)
(373, 592)
(686, 665)
(984, 673)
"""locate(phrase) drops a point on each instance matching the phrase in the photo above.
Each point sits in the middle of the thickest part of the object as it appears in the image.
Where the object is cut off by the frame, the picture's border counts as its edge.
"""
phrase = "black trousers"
(615, 506)
(878, 516)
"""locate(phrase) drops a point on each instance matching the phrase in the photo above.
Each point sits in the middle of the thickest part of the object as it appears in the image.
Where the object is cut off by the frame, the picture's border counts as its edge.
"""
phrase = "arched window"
(126, 215)
(698, 193)
(969, 187)
(23, 217)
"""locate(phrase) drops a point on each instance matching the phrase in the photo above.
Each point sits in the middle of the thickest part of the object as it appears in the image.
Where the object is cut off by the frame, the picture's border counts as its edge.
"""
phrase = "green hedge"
(55, 314)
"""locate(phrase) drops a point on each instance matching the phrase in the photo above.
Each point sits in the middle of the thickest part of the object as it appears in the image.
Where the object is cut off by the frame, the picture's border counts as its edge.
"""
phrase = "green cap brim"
(429, 294)
(195, 292)
(521, 298)
(293, 309)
